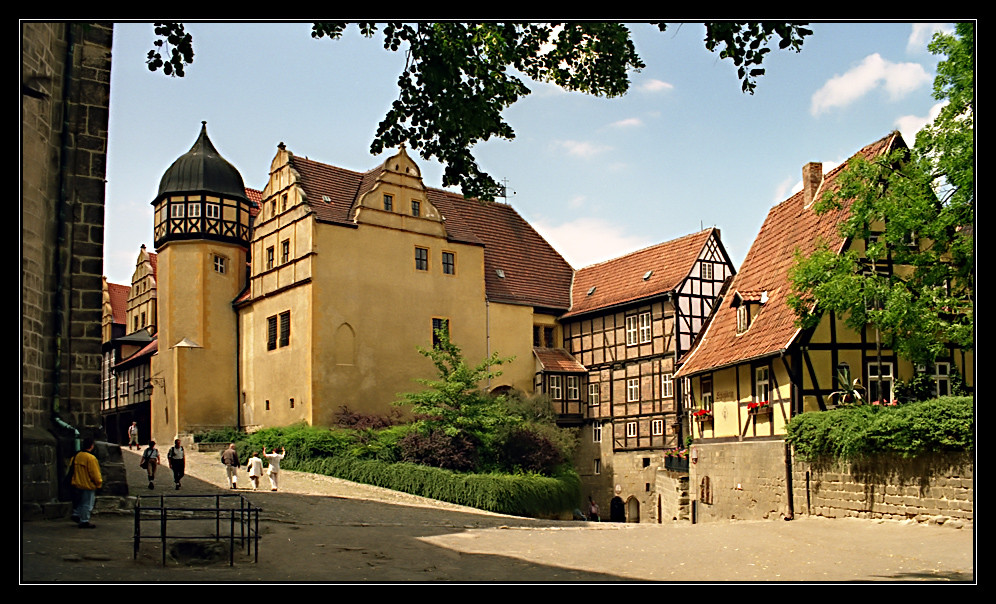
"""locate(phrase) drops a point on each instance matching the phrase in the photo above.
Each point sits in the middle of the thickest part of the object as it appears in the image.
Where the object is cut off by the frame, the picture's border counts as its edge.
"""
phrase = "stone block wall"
(672, 488)
(743, 480)
(936, 489)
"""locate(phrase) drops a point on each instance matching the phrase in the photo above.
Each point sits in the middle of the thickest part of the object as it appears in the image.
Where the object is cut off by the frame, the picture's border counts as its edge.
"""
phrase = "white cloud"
(586, 241)
(654, 85)
(873, 72)
(909, 125)
(922, 33)
(627, 123)
(582, 148)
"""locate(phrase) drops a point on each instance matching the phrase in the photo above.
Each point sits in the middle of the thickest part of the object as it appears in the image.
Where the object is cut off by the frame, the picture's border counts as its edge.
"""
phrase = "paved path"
(318, 528)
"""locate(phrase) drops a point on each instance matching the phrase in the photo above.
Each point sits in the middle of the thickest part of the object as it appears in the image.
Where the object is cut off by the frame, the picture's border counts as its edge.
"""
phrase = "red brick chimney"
(812, 178)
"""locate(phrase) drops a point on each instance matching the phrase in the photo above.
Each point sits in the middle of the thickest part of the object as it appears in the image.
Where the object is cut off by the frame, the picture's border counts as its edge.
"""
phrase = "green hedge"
(515, 494)
(908, 430)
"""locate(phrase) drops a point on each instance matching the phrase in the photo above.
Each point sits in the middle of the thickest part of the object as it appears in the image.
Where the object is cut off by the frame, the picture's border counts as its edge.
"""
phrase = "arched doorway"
(632, 510)
(617, 510)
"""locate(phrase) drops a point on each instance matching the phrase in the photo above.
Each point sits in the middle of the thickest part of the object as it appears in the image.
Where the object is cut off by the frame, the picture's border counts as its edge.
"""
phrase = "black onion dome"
(202, 169)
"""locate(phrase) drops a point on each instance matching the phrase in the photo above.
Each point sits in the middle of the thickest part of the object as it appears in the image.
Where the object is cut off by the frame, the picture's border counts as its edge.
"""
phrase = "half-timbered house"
(754, 368)
(630, 321)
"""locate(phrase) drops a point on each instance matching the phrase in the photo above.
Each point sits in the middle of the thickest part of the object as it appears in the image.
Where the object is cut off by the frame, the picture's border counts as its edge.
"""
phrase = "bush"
(525, 450)
(355, 420)
(909, 430)
(222, 435)
(457, 452)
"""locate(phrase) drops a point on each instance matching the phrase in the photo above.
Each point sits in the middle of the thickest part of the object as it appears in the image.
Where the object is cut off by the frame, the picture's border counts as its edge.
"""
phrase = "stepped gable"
(534, 273)
(791, 225)
(621, 280)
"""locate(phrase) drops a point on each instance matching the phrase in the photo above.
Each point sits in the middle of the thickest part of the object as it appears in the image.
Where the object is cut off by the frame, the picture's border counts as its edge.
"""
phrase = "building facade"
(754, 368)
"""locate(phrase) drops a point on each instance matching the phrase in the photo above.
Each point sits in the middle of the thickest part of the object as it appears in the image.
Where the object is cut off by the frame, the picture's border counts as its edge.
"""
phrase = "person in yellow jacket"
(86, 480)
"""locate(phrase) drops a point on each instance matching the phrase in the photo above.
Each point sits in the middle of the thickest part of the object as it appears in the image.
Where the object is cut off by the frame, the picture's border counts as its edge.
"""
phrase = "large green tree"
(925, 198)
(459, 77)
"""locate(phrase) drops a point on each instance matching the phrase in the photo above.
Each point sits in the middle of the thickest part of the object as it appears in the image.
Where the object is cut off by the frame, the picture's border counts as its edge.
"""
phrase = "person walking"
(230, 457)
(176, 462)
(255, 469)
(133, 435)
(86, 480)
(592, 510)
(274, 469)
(150, 460)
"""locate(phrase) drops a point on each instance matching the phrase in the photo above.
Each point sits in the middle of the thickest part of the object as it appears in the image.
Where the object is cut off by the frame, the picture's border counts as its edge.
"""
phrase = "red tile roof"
(146, 351)
(790, 226)
(622, 280)
(256, 197)
(119, 301)
(558, 360)
(534, 273)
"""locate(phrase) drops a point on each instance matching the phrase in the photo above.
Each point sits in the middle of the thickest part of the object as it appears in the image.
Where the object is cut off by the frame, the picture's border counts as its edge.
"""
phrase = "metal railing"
(166, 509)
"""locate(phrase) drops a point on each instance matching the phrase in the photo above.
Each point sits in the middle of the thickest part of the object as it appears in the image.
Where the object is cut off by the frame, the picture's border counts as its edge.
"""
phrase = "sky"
(683, 150)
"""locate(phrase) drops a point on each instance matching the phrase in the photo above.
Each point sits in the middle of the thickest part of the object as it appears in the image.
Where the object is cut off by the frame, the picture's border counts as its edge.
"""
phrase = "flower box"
(702, 415)
(762, 408)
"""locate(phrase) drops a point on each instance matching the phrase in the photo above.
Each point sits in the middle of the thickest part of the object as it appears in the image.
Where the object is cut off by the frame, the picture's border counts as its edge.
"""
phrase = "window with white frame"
(630, 429)
(219, 264)
(194, 209)
(667, 385)
(657, 427)
(632, 390)
(212, 210)
(762, 387)
(942, 378)
(594, 395)
(705, 270)
(706, 385)
(743, 317)
(176, 210)
(632, 330)
(573, 388)
(597, 466)
(596, 433)
(880, 382)
(645, 328)
(555, 387)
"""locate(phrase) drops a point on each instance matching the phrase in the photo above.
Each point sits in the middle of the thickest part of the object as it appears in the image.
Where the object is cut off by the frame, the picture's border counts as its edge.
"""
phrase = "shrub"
(909, 430)
(526, 450)
(222, 435)
(355, 420)
(457, 452)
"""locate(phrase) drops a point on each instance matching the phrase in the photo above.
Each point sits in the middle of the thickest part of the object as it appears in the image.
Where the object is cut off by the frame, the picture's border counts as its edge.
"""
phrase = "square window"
(212, 210)
(176, 210)
(421, 259)
(449, 263)
(219, 264)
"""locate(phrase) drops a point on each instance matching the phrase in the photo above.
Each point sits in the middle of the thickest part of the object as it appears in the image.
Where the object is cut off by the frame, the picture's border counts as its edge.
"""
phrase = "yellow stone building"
(315, 296)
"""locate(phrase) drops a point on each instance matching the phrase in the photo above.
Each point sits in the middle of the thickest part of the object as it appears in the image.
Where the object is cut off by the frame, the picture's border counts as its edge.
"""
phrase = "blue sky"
(684, 149)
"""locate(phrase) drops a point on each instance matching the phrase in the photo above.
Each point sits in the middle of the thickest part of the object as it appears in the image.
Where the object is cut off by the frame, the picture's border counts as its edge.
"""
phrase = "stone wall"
(739, 480)
(672, 489)
(65, 70)
(937, 489)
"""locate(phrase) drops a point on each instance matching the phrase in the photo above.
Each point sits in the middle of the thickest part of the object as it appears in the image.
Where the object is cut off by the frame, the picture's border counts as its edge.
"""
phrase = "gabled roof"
(534, 273)
(119, 301)
(557, 360)
(790, 226)
(622, 279)
(146, 351)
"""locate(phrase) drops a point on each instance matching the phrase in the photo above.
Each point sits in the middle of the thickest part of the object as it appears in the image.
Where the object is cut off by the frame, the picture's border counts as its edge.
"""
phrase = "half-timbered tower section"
(753, 368)
(630, 321)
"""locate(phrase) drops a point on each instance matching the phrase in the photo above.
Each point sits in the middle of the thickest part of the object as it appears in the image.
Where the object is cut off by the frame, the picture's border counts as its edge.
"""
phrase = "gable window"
(762, 388)
(439, 325)
(449, 263)
(705, 270)
(743, 317)
(269, 257)
(880, 382)
(212, 210)
(285, 251)
(631, 430)
(554, 387)
(421, 259)
(632, 390)
(667, 385)
(573, 388)
(219, 264)
(416, 207)
(657, 427)
(593, 395)
(389, 203)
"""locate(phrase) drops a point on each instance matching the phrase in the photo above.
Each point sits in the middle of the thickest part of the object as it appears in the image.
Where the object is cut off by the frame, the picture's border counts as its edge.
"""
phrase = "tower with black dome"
(201, 233)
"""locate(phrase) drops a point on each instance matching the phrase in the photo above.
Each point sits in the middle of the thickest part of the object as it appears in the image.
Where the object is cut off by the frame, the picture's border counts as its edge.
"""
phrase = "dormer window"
(743, 317)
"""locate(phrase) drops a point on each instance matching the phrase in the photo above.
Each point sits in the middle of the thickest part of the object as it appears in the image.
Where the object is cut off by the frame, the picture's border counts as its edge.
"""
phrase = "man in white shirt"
(273, 459)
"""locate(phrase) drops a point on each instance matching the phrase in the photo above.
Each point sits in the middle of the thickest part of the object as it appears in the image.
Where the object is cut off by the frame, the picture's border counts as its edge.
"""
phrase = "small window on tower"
(219, 264)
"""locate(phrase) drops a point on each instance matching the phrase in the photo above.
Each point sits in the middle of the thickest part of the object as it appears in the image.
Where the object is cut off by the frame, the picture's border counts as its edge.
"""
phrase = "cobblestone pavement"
(322, 529)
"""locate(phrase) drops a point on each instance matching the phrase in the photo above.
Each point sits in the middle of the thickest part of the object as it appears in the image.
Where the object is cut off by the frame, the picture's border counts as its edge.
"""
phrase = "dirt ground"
(322, 529)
